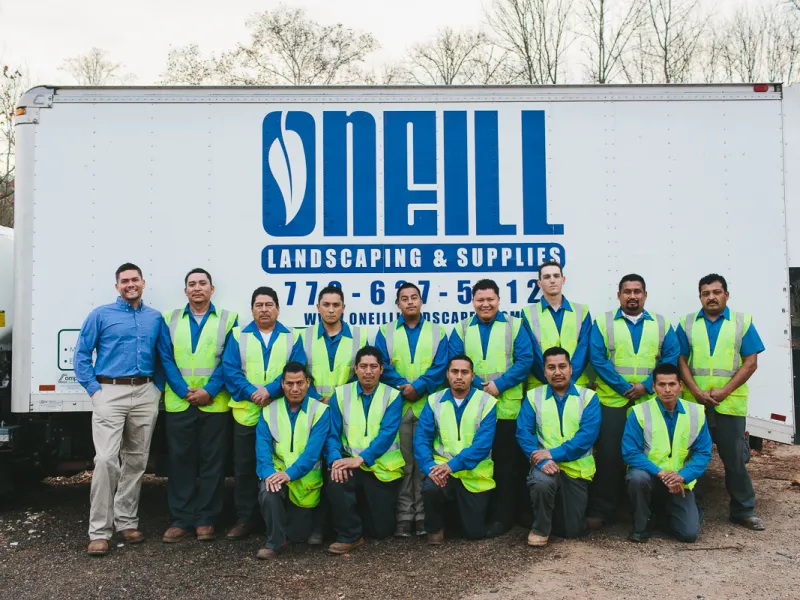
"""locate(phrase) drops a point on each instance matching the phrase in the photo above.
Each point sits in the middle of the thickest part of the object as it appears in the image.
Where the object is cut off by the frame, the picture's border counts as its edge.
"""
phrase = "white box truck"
(366, 187)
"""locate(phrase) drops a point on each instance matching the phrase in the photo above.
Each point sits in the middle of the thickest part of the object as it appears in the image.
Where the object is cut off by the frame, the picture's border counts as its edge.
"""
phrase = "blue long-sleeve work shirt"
(572, 449)
(633, 446)
(598, 353)
(390, 425)
(751, 341)
(310, 455)
(129, 343)
(431, 379)
(470, 456)
(522, 352)
(580, 357)
(331, 343)
(235, 379)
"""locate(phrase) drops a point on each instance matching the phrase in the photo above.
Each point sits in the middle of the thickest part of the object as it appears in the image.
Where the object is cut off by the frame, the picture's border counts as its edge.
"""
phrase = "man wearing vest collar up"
(667, 446)
(554, 321)
(253, 364)
(363, 451)
(197, 412)
(414, 361)
(290, 436)
(556, 428)
(719, 353)
(500, 349)
(453, 446)
(626, 345)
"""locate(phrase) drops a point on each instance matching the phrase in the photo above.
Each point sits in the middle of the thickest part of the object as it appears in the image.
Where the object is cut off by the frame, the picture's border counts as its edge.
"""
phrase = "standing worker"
(415, 359)
(500, 349)
(719, 353)
(556, 428)
(555, 322)
(626, 346)
(197, 411)
(363, 451)
(253, 364)
(128, 337)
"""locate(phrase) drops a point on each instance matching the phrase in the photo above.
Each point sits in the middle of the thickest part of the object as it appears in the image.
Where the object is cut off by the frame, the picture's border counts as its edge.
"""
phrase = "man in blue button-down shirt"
(129, 338)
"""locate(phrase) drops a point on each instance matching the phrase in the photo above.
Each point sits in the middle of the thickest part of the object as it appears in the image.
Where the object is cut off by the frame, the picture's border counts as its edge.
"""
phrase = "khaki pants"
(122, 425)
(409, 501)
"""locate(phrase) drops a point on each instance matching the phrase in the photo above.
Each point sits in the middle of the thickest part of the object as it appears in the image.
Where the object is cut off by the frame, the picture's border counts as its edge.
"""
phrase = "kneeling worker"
(667, 446)
(290, 436)
(454, 437)
(556, 429)
(363, 451)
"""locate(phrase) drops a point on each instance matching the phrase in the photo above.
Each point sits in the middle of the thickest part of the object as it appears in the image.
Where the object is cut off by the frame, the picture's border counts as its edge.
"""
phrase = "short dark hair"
(194, 272)
(369, 351)
(461, 357)
(554, 351)
(713, 278)
(406, 286)
(485, 284)
(264, 291)
(330, 289)
(127, 267)
(666, 369)
(633, 277)
(295, 367)
(550, 263)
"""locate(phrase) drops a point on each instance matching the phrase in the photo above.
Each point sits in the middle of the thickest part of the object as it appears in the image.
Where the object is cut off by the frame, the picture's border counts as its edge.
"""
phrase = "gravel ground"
(43, 542)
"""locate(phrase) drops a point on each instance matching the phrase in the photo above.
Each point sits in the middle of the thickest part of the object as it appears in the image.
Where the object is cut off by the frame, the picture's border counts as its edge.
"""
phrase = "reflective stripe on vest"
(308, 346)
(509, 347)
(612, 350)
(222, 329)
(536, 325)
(244, 339)
(538, 398)
(272, 423)
(346, 401)
(390, 329)
(737, 358)
(437, 411)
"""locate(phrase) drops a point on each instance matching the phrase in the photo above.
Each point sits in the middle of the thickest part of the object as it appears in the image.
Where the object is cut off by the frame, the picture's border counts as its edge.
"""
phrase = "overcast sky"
(39, 34)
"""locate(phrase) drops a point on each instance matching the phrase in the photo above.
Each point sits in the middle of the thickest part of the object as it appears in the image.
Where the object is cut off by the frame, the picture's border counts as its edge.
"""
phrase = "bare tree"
(188, 66)
(609, 27)
(676, 28)
(13, 83)
(638, 63)
(746, 44)
(782, 46)
(95, 68)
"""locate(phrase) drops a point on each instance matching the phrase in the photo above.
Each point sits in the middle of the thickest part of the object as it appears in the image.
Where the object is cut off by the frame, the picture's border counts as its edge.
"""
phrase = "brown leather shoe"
(205, 533)
(131, 536)
(239, 531)
(173, 535)
(538, 541)
(269, 554)
(344, 547)
(594, 523)
(436, 539)
(98, 548)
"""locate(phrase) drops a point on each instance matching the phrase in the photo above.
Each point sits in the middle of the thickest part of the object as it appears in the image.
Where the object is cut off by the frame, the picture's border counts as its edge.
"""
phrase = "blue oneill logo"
(416, 189)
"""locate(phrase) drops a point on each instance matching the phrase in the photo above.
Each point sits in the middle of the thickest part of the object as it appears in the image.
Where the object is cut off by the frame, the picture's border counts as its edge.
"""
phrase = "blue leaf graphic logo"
(287, 161)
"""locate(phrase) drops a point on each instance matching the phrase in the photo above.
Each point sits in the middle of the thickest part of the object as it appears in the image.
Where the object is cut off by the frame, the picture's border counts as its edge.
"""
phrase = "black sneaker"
(752, 522)
(419, 528)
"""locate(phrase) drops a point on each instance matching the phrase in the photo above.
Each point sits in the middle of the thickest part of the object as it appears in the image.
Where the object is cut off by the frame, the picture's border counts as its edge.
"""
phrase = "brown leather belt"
(125, 380)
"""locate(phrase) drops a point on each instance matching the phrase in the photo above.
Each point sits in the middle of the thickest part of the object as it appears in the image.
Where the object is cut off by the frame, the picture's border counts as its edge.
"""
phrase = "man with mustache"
(719, 353)
(626, 345)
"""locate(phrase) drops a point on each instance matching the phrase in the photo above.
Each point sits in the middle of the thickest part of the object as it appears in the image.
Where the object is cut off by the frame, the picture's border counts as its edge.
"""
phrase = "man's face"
(486, 304)
(558, 371)
(551, 281)
(409, 303)
(295, 386)
(713, 298)
(460, 376)
(368, 371)
(265, 311)
(632, 297)
(130, 285)
(198, 288)
(331, 308)
(667, 387)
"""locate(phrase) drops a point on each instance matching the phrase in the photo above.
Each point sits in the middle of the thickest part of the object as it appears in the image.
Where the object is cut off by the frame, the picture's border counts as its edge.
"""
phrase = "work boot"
(403, 529)
(537, 541)
(205, 533)
(173, 535)
(269, 554)
(315, 539)
(752, 522)
(98, 548)
(131, 536)
(345, 547)
(239, 531)
(419, 528)
(639, 538)
(436, 538)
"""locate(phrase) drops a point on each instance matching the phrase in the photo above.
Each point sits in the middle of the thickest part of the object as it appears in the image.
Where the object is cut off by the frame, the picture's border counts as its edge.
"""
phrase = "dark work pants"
(734, 451)
(197, 446)
(245, 491)
(470, 507)
(285, 520)
(363, 505)
(606, 487)
(682, 519)
(559, 504)
(510, 471)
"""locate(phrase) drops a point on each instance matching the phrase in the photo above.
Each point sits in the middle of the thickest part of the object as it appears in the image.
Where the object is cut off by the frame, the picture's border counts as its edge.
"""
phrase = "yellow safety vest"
(399, 351)
(197, 367)
(546, 333)
(323, 379)
(553, 432)
(288, 446)
(715, 371)
(244, 411)
(358, 432)
(499, 358)
(665, 455)
(633, 367)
